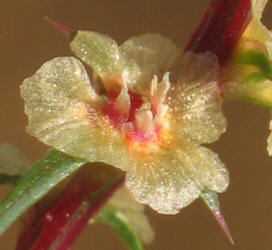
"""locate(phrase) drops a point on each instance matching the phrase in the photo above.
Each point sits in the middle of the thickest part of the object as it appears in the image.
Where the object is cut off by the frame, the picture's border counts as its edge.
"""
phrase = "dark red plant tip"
(65, 30)
(83, 197)
(221, 27)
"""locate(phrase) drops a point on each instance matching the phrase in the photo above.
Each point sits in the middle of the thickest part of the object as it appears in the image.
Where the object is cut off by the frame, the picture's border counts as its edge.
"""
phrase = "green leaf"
(40, 179)
(119, 222)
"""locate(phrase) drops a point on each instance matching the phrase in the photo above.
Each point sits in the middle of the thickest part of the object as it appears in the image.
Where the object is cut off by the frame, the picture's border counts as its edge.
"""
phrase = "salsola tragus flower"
(154, 109)
(249, 76)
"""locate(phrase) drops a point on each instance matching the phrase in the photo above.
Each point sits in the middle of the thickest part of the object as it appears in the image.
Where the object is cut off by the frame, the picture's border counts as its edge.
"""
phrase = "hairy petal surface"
(160, 179)
(100, 52)
(205, 167)
(145, 56)
(61, 106)
(194, 101)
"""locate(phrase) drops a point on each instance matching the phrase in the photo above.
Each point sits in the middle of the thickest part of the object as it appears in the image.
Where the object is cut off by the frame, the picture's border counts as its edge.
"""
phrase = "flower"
(155, 107)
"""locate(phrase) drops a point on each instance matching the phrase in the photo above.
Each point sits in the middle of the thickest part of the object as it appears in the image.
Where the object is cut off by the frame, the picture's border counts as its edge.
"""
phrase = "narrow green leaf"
(119, 222)
(40, 179)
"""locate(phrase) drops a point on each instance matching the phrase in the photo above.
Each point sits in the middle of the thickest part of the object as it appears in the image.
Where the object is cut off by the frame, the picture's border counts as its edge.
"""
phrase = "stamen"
(154, 85)
(161, 90)
(163, 87)
(144, 117)
(122, 102)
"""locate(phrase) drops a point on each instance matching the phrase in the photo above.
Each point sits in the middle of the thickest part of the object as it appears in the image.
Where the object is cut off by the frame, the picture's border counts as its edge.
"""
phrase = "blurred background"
(26, 41)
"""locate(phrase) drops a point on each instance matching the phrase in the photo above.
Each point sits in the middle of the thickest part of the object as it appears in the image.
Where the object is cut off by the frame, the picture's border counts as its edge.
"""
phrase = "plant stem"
(31, 187)
(83, 197)
(221, 27)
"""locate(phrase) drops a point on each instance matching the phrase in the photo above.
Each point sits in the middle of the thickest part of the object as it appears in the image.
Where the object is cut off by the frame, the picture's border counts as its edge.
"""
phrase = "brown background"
(26, 41)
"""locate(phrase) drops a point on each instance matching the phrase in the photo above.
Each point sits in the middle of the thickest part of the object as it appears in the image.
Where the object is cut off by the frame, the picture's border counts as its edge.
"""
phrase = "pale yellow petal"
(100, 52)
(12, 162)
(61, 107)
(145, 56)
(134, 211)
(205, 167)
(160, 180)
(194, 100)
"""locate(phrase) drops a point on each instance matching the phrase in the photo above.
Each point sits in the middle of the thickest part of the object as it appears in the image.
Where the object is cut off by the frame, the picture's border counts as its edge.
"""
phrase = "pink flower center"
(114, 115)
(117, 118)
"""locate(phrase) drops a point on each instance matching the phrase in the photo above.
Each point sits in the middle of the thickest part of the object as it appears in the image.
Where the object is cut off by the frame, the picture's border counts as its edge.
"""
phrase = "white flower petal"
(160, 180)
(61, 107)
(194, 101)
(101, 53)
(144, 56)
(205, 166)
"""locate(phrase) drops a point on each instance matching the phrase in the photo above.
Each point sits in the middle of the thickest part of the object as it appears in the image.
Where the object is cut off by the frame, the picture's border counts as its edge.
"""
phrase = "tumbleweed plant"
(135, 131)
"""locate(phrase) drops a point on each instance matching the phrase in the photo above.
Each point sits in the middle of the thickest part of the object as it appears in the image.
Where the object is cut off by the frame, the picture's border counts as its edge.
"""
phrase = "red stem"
(84, 217)
(221, 27)
(83, 197)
